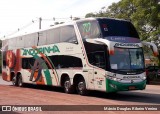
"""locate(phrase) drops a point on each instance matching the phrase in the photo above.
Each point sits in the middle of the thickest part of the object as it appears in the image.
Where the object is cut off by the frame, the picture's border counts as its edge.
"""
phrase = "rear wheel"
(14, 81)
(68, 88)
(20, 82)
(81, 88)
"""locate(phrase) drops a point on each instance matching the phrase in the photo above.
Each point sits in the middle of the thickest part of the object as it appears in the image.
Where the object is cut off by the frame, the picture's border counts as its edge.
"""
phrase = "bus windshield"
(111, 27)
(125, 59)
(102, 28)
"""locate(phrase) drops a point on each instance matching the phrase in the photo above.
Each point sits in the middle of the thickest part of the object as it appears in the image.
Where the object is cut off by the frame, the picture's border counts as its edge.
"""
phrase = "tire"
(81, 88)
(20, 82)
(14, 81)
(68, 88)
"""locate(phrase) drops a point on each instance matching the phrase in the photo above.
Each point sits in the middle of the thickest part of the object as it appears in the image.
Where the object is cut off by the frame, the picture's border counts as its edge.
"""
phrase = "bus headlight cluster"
(116, 79)
(144, 78)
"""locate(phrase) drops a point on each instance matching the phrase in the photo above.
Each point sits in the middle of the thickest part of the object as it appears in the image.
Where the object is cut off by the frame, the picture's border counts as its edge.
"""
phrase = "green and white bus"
(101, 54)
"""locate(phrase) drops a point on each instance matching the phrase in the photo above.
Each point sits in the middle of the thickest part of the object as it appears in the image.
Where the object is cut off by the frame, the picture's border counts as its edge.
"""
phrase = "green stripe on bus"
(114, 86)
(53, 66)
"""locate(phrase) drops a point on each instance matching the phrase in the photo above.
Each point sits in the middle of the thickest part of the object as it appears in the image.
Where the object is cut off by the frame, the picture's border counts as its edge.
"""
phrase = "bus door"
(90, 82)
(99, 63)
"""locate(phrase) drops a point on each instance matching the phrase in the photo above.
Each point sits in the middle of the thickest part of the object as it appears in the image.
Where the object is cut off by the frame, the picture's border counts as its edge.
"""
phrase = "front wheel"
(81, 88)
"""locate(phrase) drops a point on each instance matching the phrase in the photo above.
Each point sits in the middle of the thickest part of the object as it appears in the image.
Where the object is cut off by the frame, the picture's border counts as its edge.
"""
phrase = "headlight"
(116, 79)
(144, 77)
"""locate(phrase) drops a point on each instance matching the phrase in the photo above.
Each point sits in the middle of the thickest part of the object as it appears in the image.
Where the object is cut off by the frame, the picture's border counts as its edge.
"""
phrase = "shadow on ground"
(130, 96)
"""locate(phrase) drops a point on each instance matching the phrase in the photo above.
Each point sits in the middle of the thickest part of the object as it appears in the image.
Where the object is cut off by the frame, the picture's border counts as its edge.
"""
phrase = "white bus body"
(81, 55)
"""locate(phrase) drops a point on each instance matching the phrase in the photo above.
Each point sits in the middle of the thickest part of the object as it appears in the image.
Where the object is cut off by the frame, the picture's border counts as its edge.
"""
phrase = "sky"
(18, 14)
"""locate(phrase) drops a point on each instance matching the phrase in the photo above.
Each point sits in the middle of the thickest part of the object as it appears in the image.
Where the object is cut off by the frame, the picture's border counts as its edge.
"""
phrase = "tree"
(0, 56)
(90, 15)
(144, 14)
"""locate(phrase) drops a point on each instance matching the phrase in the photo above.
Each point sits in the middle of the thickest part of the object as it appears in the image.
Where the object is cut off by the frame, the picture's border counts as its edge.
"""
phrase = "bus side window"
(68, 34)
(4, 63)
(97, 59)
(65, 61)
(42, 38)
(20, 42)
(89, 29)
(28, 41)
(55, 61)
(27, 63)
(53, 36)
(12, 44)
(4, 59)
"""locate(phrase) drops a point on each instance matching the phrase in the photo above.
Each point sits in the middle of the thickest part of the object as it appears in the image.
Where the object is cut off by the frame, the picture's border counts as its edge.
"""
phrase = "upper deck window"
(89, 29)
(68, 34)
(106, 27)
(112, 27)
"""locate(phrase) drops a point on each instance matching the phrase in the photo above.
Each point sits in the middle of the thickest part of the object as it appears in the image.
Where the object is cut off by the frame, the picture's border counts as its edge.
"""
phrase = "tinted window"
(42, 38)
(28, 41)
(97, 59)
(4, 58)
(12, 44)
(59, 61)
(111, 27)
(64, 61)
(89, 29)
(96, 55)
(5, 44)
(68, 34)
(53, 36)
(20, 42)
(27, 63)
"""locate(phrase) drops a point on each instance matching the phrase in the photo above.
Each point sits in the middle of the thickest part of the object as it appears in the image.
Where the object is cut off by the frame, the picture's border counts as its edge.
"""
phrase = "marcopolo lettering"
(126, 44)
(44, 50)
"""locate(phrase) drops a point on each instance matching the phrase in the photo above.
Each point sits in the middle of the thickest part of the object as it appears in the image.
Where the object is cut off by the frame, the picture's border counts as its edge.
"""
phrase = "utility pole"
(71, 17)
(40, 22)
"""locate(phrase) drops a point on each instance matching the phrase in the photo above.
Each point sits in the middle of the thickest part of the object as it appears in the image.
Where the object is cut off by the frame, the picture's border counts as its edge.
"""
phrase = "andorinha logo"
(131, 77)
(126, 44)
(44, 50)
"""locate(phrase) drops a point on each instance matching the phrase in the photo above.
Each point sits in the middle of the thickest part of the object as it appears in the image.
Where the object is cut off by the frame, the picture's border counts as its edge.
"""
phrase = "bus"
(101, 54)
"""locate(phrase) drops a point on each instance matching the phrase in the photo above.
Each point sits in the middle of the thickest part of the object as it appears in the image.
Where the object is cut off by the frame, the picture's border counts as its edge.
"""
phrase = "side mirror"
(152, 46)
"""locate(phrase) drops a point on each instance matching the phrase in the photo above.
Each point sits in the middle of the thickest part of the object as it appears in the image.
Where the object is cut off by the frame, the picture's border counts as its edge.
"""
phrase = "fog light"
(113, 86)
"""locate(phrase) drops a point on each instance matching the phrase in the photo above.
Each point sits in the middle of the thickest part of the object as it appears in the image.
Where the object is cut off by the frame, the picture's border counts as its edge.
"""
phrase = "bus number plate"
(132, 87)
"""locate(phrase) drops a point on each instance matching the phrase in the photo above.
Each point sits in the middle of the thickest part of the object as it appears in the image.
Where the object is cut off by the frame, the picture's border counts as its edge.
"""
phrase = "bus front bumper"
(114, 86)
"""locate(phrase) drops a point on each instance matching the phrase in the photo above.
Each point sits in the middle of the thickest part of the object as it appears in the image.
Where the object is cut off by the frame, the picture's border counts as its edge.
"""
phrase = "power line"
(19, 29)
(40, 21)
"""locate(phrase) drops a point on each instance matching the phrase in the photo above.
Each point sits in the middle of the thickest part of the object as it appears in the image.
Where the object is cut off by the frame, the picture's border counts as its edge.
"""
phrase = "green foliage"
(144, 14)
(90, 15)
(0, 56)
(148, 54)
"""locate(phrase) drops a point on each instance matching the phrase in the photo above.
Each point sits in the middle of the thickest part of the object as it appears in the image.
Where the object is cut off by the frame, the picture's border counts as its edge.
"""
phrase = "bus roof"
(66, 23)
(97, 18)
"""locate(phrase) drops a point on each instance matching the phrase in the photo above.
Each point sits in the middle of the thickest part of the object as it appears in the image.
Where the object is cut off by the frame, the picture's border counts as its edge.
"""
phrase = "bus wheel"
(20, 82)
(81, 88)
(68, 88)
(14, 81)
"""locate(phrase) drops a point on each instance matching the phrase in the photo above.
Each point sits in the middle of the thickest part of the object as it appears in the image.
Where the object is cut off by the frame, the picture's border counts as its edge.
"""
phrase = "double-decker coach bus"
(101, 54)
